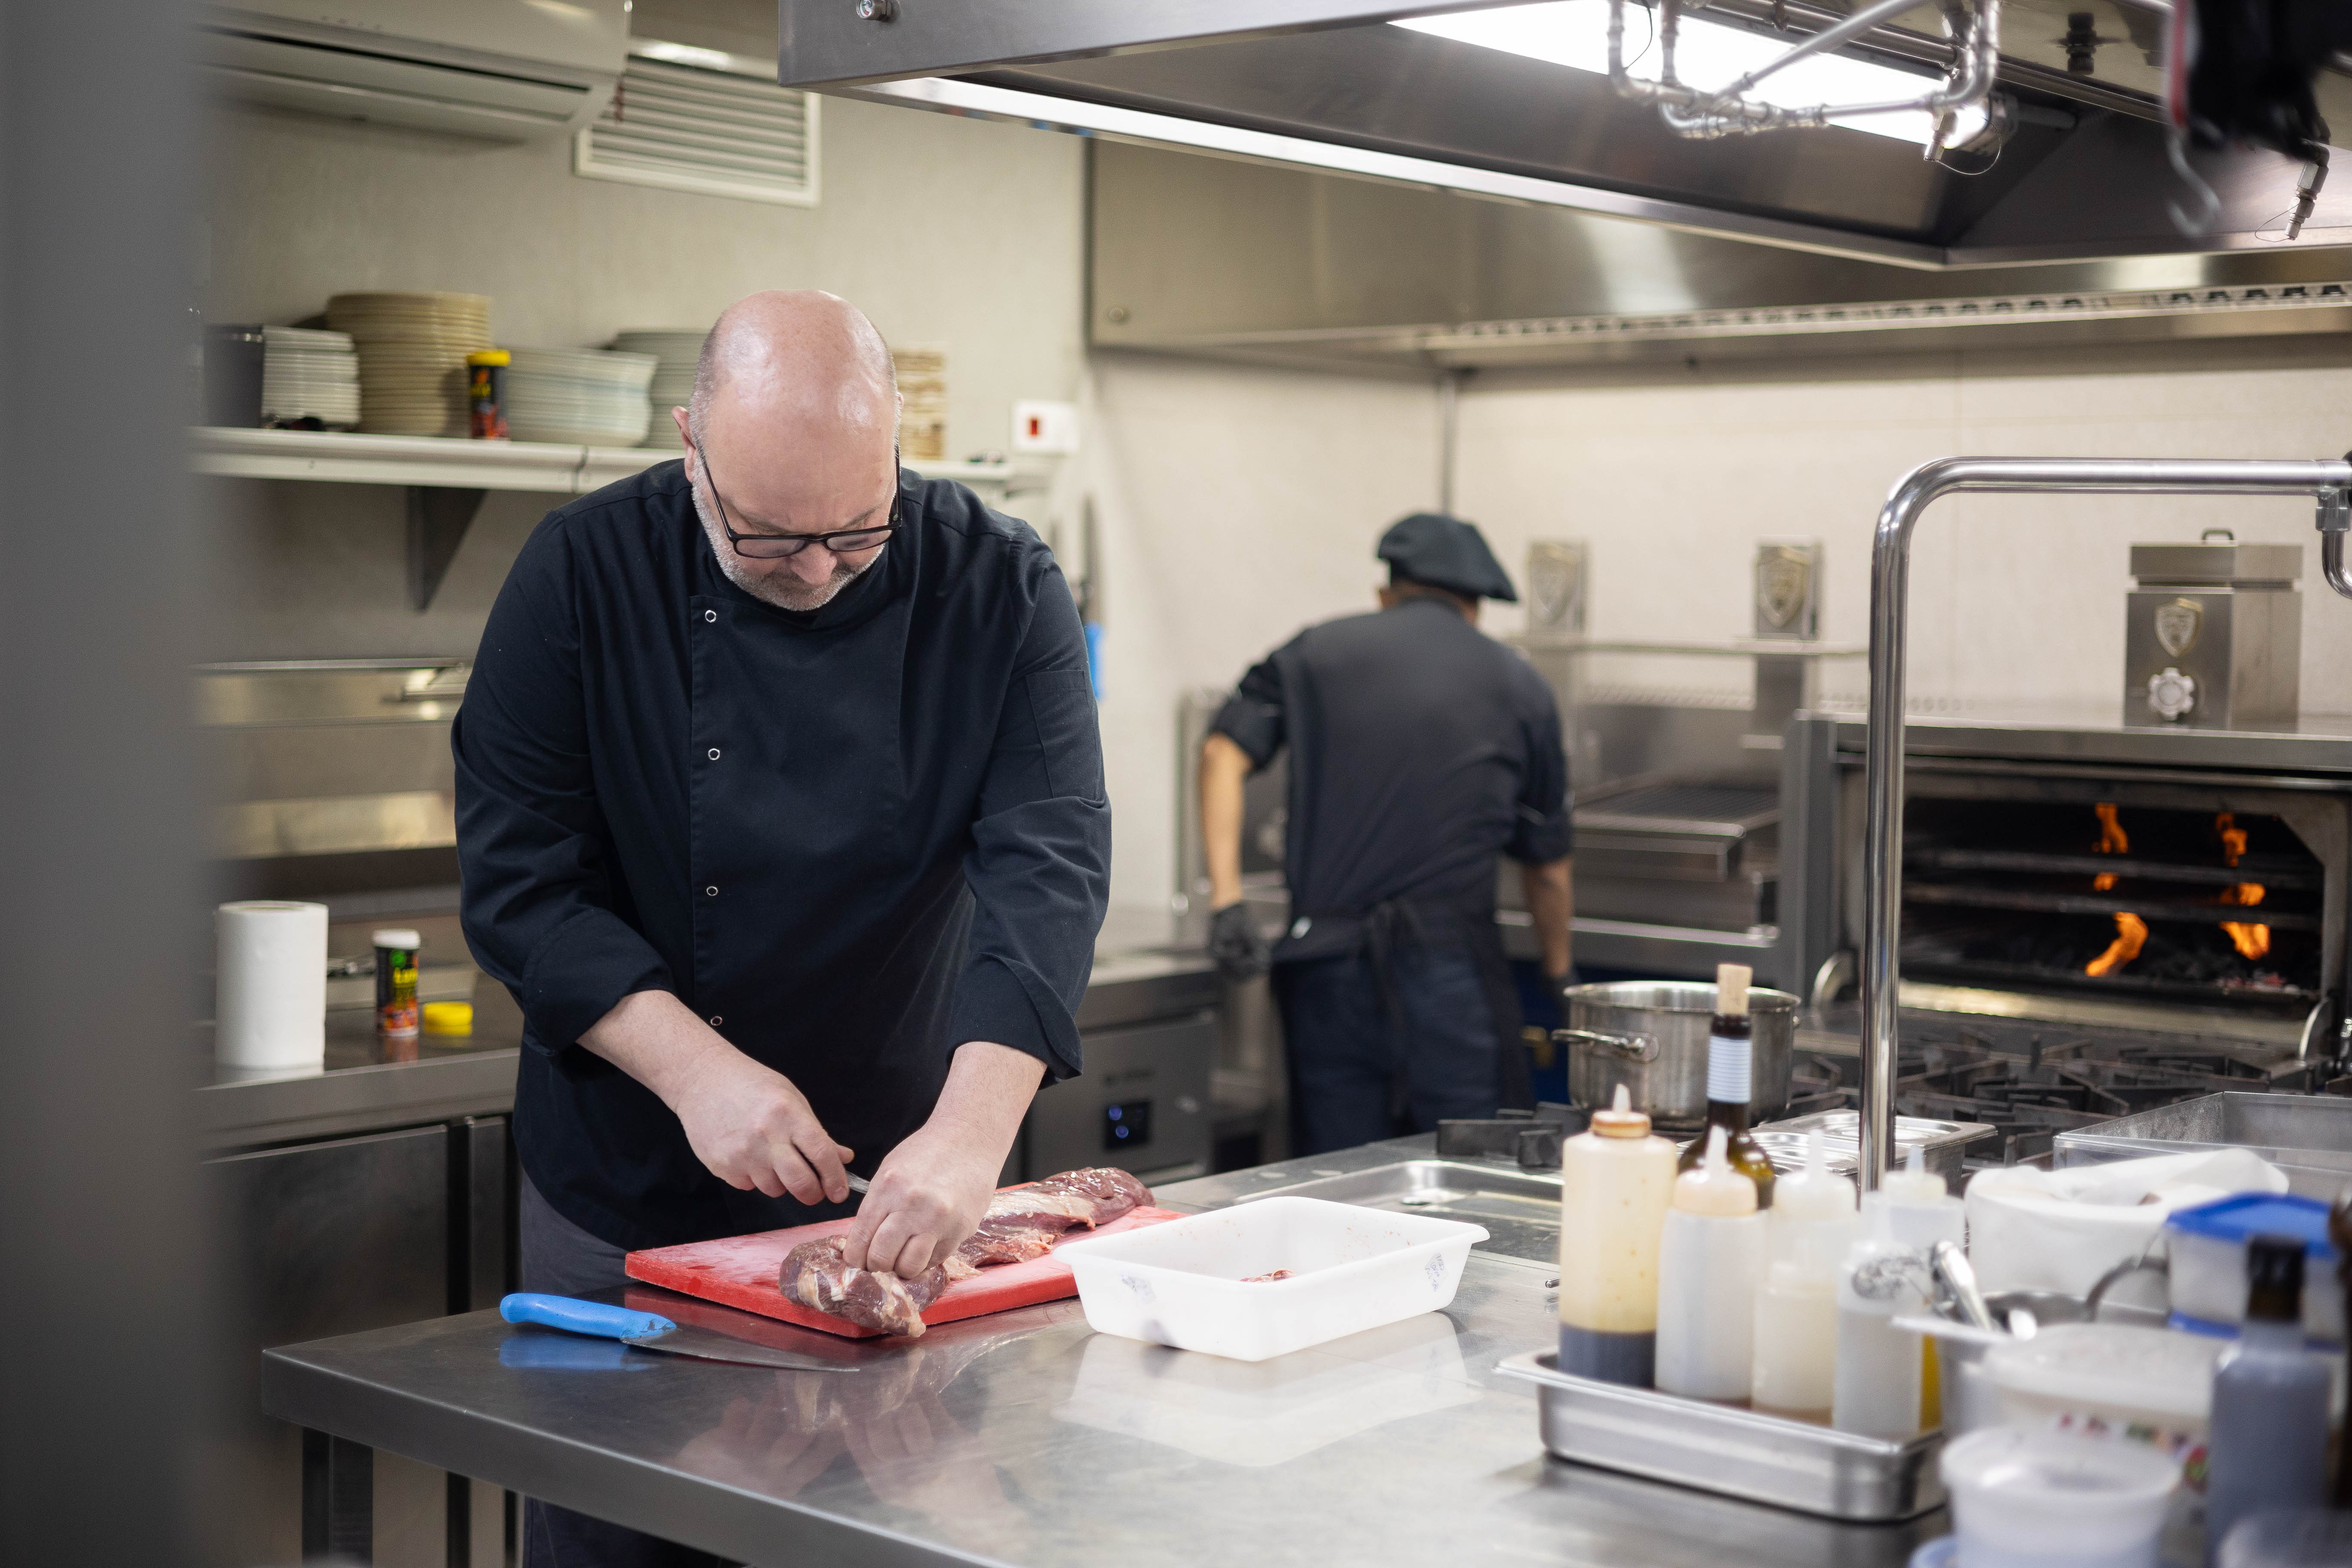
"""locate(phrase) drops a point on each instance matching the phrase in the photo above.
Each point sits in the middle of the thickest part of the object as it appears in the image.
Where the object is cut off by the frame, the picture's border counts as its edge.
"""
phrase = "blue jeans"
(1353, 1069)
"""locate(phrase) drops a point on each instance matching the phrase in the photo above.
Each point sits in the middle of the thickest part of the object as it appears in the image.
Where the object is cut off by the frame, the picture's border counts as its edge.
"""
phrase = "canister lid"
(407, 939)
(448, 1017)
(2217, 563)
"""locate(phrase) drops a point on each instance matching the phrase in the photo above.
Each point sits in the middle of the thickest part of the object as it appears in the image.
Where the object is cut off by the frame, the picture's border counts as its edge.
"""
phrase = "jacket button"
(710, 615)
(710, 893)
(714, 754)
(715, 1020)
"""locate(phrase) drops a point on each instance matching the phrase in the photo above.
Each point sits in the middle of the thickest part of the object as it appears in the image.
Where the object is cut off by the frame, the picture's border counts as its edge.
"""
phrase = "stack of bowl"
(413, 349)
(308, 374)
(579, 398)
(673, 382)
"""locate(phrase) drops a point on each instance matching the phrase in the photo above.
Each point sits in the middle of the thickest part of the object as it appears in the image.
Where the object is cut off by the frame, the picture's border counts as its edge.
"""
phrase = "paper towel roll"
(271, 1005)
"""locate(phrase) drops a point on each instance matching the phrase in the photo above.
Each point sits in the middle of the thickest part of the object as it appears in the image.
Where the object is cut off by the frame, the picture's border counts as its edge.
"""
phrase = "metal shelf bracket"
(438, 517)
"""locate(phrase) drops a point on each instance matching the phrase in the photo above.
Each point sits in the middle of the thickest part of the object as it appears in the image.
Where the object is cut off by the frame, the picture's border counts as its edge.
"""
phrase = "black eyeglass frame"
(798, 542)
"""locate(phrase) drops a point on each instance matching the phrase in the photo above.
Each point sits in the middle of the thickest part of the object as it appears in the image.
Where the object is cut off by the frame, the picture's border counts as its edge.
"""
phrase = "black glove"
(1235, 944)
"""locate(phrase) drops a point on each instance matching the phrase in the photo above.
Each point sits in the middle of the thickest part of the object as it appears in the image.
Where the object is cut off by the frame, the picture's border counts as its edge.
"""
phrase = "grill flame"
(2113, 839)
(2252, 941)
(2131, 934)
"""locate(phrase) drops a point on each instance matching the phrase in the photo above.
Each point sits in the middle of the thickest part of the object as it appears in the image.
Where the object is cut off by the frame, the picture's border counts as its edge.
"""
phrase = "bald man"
(781, 812)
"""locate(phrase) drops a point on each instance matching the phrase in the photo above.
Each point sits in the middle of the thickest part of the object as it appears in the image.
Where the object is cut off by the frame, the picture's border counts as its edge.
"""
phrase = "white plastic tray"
(1183, 1283)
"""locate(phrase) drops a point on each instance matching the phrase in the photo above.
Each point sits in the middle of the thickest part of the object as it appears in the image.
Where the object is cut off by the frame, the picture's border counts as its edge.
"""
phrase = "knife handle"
(581, 1317)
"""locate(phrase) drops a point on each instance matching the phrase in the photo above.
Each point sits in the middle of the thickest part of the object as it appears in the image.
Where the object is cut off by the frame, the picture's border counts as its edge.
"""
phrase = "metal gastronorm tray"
(1723, 1449)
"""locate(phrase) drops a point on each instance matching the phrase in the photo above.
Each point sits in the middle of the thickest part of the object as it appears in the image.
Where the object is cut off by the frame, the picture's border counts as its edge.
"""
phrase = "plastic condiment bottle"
(1808, 1233)
(1731, 1082)
(1616, 1184)
(1709, 1256)
(2267, 1442)
(1878, 1365)
(1924, 1212)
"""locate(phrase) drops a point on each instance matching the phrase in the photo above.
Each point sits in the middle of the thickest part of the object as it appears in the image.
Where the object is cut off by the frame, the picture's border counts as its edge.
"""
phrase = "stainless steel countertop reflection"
(1025, 1438)
(1148, 964)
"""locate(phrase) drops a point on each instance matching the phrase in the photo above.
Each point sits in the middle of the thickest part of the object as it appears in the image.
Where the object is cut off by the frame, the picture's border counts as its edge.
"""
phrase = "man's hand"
(753, 1129)
(930, 1190)
(1237, 943)
(745, 1121)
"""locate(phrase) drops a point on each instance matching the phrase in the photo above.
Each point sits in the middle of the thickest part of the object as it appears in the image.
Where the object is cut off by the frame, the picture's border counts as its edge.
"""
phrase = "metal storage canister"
(1652, 1036)
(2213, 638)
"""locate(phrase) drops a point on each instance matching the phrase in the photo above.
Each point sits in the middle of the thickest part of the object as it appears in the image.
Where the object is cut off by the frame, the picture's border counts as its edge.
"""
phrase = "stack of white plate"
(678, 352)
(309, 375)
(581, 397)
(413, 349)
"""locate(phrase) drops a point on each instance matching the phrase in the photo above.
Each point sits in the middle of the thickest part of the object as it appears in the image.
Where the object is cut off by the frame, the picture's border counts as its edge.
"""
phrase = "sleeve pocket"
(1061, 706)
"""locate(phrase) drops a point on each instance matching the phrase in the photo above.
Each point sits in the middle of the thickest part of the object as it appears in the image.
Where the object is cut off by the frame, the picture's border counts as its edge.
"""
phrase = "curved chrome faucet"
(1890, 568)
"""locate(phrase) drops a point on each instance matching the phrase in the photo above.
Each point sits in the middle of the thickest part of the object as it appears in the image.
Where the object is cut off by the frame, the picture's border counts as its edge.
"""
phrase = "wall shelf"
(446, 479)
(341, 458)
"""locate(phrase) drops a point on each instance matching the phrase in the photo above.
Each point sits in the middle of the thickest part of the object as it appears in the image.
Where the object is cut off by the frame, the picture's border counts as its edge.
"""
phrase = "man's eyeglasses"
(782, 546)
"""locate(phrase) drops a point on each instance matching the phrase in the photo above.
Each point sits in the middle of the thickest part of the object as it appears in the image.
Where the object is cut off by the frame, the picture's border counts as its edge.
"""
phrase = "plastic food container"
(1189, 1282)
(2289, 1538)
(2049, 1499)
(2208, 1249)
(2109, 1378)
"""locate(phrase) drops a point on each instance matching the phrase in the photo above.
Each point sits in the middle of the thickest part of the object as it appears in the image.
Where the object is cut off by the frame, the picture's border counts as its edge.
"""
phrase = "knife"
(650, 1332)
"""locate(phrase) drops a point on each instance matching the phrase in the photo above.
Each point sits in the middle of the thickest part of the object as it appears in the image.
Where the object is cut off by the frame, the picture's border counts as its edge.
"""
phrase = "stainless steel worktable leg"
(338, 1499)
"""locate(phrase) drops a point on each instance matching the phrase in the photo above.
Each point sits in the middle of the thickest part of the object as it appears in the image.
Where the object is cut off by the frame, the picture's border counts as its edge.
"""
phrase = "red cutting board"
(742, 1271)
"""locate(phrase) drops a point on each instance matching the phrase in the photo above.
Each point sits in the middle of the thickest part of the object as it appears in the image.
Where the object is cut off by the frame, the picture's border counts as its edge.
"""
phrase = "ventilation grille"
(717, 131)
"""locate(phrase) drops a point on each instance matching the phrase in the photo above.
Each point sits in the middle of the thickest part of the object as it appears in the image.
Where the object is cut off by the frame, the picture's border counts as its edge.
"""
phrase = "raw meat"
(815, 1274)
(1017, 1225)
(1025, 1221)
(1269, 1279)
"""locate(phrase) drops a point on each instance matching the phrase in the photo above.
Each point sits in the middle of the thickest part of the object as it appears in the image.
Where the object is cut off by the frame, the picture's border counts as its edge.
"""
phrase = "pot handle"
(1632, 1048)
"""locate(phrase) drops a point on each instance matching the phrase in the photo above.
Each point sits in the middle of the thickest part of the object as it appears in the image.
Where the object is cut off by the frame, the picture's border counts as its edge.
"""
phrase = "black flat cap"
(1441, 552)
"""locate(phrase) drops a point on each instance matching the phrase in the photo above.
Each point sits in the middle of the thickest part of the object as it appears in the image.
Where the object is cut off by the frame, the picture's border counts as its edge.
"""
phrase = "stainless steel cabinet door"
(327, 1238)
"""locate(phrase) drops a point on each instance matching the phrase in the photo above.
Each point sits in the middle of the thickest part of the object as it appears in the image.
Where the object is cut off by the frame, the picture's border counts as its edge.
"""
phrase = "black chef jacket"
(1420, 750)
(852, 838)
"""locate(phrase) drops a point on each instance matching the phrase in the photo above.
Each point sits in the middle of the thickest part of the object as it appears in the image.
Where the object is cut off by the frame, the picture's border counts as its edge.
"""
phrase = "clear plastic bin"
(1191, 1283)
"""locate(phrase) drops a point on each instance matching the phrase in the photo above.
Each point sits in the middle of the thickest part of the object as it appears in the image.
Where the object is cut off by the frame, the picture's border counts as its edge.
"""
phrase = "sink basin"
(1520, 1210)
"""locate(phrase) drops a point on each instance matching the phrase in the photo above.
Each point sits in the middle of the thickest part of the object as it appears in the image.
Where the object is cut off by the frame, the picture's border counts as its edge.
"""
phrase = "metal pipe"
(1889, 615)
(1449, 425)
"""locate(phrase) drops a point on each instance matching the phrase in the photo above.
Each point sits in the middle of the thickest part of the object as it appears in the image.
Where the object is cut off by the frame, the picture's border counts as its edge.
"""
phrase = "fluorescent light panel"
(1707, 55)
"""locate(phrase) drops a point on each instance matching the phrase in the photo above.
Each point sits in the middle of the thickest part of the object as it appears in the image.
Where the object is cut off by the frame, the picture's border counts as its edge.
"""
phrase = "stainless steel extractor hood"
(1330, 84)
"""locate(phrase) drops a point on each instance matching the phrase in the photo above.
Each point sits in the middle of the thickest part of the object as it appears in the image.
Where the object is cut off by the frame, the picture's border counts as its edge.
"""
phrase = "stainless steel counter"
(1025, 1438)
(1146, 966)
(2319, 742)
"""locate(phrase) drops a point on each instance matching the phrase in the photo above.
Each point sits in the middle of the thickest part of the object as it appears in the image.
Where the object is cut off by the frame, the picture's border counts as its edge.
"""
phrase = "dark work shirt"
(851, 839)
(1420, 750)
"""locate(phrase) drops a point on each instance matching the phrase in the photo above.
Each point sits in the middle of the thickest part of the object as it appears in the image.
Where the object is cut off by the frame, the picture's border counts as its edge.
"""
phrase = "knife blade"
(651, 1332)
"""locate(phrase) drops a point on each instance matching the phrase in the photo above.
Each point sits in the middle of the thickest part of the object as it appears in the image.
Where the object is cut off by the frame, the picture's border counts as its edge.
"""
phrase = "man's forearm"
(1551, 901)
(988, 1092)
(1225, 767)
(650, 1035)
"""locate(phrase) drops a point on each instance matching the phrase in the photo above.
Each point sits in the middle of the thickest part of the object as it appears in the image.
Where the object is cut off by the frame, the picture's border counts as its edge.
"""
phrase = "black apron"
(1382, 930)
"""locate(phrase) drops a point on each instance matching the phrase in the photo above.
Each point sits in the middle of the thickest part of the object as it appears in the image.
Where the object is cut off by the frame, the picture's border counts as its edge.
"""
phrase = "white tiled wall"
(2016, 599)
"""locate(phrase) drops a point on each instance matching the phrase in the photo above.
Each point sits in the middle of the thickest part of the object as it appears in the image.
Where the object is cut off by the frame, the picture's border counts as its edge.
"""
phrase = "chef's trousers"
(559, 1259)
(1361, 1072)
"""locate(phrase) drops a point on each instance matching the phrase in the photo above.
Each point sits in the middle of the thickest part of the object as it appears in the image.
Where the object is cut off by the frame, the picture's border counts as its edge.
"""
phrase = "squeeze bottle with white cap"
(1616, 1182)
(1708, 1258)
(1924, 1212)
(1807, 1234)
(1878, 1365)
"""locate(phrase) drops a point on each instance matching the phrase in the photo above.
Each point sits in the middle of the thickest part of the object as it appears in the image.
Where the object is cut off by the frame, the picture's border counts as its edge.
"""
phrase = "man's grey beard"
(786, 593)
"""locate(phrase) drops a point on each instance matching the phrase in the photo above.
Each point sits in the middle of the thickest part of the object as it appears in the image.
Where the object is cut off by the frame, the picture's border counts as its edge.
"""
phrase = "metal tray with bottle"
(1729, 1449)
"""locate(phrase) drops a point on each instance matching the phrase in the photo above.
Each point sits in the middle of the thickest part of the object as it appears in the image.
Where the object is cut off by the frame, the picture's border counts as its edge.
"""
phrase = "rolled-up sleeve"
(539, 904)
(1545, 826)
(1255, 718)
(1039, 866)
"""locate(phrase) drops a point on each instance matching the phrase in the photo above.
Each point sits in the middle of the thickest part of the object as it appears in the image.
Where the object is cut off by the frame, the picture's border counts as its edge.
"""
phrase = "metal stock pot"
(1650, 1037)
